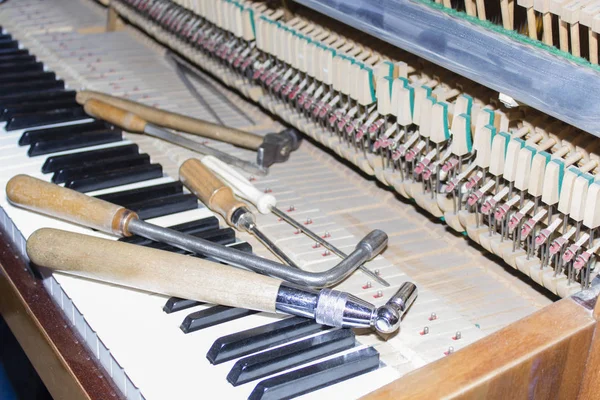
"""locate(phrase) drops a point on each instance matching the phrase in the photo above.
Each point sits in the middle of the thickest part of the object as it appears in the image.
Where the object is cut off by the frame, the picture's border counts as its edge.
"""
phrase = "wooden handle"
(152, 270)
(177, 121)
(50, 199)
(115, 115)
(209, 189)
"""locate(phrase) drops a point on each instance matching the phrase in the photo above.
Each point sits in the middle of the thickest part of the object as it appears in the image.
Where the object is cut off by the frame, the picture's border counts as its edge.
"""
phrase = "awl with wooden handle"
(265, 203)
(270, 148)
(47, 198)
(219, 197)
(192, 278)
(134, 123)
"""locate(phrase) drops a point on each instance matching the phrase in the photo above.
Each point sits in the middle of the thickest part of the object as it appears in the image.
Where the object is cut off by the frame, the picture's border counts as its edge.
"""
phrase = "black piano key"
(175, 304)
(100, 167)
(222, 236)
(16, 58)
(42, 96)
(242, 246)
(197, 226)
(317, 376)
(9, 44)
(84, 140)
(27, 108)
(117, 178)
(11, 68)
(212, 316)
(48, 117)
(32, 86)
(55, 163)
(13, 51)
(62, 132)
(291, 355)
(164, 206)
(26, 76)
(127, 197)
(191, 227)
(252, 340)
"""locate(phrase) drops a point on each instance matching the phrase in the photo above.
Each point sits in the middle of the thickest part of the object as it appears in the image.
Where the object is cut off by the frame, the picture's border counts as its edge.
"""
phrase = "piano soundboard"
(153, 347)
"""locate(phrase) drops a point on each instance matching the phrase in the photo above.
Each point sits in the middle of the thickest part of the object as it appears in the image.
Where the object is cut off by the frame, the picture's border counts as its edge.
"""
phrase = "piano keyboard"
(149, 354)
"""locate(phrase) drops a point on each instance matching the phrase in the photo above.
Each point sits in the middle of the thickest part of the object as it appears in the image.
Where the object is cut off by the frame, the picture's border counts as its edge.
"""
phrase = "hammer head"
(276, 147)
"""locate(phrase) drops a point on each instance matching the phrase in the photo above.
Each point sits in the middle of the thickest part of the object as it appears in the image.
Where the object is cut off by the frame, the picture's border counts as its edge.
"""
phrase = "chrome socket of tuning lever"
(327, 307)
(388, 317)
(343, 310)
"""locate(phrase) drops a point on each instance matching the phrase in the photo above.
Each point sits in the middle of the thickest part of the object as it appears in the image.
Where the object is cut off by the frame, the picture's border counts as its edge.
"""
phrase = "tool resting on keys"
(271, 148)
(133, 123)
(265, 203)
(196, 279)
(50, 199)
(217, 196)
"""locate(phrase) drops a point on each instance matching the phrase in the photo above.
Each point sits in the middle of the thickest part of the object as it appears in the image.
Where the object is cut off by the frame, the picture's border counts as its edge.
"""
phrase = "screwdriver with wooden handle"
(47, 198)
(192, 278)
(266, 203)
(133, 123)
(219, 198)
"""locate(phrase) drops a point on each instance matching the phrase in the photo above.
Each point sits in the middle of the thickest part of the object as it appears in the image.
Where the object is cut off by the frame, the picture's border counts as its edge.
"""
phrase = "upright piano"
(466, 130)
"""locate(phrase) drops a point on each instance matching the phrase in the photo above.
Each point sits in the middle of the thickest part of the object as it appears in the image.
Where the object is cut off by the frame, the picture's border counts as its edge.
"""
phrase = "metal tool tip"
(387, 320)
(374, 242)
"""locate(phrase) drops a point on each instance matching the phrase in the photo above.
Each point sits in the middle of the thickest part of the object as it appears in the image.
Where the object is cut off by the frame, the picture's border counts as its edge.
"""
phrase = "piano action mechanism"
(431, 120)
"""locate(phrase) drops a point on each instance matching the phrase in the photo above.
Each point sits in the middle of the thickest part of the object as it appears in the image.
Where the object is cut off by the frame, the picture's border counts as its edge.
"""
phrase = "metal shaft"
(370, 246)
(272, 246)
(325, 243)
(157, 132)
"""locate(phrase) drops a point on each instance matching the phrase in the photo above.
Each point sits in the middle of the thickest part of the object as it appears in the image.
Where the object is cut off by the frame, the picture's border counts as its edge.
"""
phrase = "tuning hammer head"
(276, 147)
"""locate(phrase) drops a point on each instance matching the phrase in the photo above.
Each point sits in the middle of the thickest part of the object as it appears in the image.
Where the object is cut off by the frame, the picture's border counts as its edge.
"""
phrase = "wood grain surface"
(60, 357)
(542, 356)
(209, 188)
(153, 270)
(176, 121)
(50, 199)
(115, 115)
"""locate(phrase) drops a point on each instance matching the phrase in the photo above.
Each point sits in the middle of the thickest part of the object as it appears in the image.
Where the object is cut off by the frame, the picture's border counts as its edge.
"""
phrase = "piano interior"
(466, 130)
